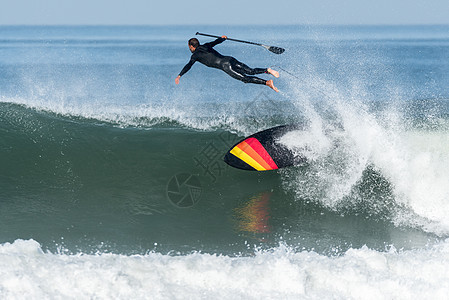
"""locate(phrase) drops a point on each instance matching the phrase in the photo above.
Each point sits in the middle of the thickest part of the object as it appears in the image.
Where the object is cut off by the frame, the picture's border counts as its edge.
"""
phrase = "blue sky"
(225, 12)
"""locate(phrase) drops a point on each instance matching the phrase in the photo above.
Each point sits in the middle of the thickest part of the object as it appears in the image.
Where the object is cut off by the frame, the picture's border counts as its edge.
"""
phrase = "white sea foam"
(26, 272)
(203, 116)
(340, 148)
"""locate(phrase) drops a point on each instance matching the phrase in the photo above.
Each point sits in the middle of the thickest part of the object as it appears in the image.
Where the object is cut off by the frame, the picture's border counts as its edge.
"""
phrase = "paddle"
(274, 49)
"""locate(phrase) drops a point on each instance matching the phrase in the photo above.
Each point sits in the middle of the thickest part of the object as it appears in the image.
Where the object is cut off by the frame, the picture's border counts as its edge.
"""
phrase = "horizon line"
(235, 25)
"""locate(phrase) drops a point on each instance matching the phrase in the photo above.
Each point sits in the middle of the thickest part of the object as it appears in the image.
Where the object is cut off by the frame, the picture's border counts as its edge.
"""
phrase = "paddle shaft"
(235, 40)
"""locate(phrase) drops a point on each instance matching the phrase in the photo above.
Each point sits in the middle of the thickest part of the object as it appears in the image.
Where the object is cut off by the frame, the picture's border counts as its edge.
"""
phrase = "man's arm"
(217, 41)
(185, 69)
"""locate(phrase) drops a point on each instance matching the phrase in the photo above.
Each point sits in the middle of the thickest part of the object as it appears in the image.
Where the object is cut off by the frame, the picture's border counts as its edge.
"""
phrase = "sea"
(113, 184)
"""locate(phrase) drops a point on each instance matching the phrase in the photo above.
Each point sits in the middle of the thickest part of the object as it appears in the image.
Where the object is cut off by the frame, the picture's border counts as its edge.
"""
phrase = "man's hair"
(194, 42)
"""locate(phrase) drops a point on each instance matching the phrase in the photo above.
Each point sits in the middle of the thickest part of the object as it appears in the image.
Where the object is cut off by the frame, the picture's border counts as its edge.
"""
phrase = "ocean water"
(112, 183)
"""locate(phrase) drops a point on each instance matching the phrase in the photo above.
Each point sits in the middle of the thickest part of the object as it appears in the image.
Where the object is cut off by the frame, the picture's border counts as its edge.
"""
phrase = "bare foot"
(273, 72)
(271, 85)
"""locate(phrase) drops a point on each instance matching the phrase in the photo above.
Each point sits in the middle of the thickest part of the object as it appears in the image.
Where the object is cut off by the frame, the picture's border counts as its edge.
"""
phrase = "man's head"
(193, 44)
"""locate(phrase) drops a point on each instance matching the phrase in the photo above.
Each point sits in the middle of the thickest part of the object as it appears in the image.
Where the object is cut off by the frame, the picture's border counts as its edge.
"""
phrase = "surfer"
(208, 56)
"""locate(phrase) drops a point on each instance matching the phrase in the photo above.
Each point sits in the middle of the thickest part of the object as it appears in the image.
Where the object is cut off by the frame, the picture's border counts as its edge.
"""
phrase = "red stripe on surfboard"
(257, 146)
(245, 147)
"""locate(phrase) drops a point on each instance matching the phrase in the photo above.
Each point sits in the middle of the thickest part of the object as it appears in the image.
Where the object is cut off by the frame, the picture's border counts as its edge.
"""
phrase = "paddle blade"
(276, 50)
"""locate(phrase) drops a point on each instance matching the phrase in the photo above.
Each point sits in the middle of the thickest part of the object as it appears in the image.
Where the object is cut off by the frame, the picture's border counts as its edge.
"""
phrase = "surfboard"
(263, 152)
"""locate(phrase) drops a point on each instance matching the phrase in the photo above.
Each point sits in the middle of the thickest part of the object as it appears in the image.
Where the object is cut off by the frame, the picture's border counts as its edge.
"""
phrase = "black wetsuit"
(208, 56)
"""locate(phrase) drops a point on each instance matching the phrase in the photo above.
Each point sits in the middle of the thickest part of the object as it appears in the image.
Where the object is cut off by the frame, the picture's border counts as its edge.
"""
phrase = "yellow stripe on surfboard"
(246, 158)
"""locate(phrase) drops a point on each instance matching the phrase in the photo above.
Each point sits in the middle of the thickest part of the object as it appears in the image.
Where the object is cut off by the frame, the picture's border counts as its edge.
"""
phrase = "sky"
(225, 12)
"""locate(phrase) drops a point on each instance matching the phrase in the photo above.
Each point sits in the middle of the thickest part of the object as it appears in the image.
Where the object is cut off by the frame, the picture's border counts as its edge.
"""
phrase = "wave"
(403, 147)
(239, 117)
(361, 159)
(27, 271)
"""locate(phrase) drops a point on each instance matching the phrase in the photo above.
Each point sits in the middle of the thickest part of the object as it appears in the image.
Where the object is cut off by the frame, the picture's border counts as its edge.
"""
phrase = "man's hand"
(224, 37)
(177, 79)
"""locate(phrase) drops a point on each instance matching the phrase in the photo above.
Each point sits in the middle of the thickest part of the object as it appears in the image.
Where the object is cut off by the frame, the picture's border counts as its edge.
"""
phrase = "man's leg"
(252, 71)
(235, 71)
(244, 69)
